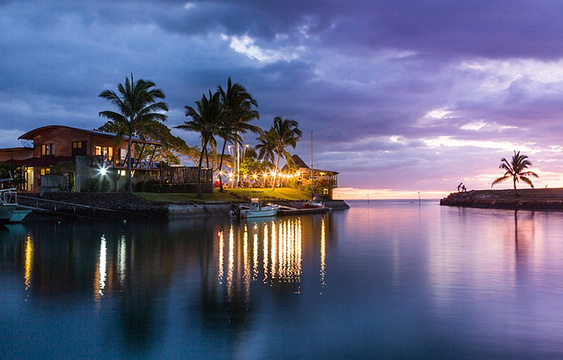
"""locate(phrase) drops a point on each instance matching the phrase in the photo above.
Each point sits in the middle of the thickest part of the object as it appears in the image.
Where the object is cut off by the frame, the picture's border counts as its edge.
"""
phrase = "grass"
(228, 195)
(278, 194)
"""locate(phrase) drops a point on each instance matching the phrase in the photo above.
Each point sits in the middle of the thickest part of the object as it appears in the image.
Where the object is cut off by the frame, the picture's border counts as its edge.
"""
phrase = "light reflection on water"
(388, 280)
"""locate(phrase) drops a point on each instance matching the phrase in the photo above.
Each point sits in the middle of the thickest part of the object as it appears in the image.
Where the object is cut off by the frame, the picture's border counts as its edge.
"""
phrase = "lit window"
(47, 149)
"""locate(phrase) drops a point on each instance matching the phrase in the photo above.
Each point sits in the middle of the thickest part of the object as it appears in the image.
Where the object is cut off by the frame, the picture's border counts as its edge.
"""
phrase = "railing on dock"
(56, 207)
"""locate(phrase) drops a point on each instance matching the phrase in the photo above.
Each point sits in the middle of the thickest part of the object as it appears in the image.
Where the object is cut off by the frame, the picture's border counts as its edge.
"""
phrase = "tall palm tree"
(206, 120)
(138, 108)
(282, 134)
(266, 148)
(517, 169)
(238, 106)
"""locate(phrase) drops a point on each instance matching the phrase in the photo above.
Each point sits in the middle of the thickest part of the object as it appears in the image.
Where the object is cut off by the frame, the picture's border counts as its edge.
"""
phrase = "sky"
(403, 97)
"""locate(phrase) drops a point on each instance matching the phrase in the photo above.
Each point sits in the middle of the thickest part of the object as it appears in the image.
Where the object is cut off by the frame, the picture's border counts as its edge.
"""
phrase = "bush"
(105, 186)
(93, 185)
(152, 186)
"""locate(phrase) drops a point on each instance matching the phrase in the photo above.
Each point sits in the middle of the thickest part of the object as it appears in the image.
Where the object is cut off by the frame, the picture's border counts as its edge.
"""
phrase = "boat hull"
(6, 212)
(258, 213)
(19, 215)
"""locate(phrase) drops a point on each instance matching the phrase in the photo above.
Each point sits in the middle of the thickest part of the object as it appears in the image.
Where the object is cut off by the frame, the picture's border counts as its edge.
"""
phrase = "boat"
(8, 204)
(254, 209)
(19, 215)
(315, 203)
(9, 212)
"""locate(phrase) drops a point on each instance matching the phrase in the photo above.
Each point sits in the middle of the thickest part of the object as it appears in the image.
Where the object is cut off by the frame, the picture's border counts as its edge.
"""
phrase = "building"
(324, 181)
(83, 157)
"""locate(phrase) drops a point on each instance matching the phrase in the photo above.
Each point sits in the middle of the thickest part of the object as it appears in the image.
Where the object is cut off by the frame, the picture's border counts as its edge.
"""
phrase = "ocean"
(382, 280)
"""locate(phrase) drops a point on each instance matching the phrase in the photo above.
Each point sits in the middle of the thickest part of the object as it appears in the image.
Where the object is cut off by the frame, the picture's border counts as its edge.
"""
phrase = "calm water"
(384, 280)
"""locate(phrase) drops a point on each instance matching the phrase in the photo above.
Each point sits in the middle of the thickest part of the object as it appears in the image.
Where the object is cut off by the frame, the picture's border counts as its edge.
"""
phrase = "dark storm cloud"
(380, 83)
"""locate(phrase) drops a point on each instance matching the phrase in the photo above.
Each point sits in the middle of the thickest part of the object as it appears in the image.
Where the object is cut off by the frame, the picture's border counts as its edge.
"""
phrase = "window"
(122, 154)
(47, 149)
(45, 171)
(106, 152)
(79, 148)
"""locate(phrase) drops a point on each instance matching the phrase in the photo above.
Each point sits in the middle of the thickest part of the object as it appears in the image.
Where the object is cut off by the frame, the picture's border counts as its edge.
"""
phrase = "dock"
(287, 210)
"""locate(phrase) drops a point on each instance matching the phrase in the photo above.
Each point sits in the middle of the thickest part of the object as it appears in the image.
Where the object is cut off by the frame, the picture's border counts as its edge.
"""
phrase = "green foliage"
(139, 113)
(93, 185)
(105, 185)
(63, 167)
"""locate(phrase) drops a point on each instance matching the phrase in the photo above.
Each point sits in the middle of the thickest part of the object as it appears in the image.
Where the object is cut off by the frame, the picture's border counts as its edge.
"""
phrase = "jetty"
(287, 210)
(523, 199)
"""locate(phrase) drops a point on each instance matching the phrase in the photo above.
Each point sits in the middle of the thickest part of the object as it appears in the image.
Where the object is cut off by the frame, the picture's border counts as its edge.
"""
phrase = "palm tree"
(138, 108)
(282, 134)
(206, 119)
(266, 148)
(237, 104)
(517, 170)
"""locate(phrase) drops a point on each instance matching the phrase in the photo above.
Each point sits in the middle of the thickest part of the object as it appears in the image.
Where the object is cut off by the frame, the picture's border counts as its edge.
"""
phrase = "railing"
(59, 207)
(105, 161)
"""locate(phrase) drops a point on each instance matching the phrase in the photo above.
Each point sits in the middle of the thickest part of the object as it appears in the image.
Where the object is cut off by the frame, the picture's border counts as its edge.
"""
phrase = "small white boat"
(254, 209)
(315, 203)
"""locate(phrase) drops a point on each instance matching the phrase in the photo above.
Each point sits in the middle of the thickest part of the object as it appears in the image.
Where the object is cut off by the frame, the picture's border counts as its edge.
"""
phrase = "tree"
(282, 134)
(238, 107)
(517, 169)
(138, 109)
(206, 120)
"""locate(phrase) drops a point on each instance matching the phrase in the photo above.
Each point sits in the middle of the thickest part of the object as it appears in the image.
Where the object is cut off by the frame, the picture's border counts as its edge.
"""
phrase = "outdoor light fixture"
(103, 171)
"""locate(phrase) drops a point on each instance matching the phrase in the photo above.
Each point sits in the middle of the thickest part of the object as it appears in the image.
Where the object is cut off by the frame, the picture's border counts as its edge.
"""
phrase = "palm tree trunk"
(129, 179)
(276, 172)
(199, 192)
(221, 166)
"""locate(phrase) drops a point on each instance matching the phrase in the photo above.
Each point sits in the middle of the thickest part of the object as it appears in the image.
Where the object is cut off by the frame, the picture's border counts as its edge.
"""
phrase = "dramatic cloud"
(402, 95)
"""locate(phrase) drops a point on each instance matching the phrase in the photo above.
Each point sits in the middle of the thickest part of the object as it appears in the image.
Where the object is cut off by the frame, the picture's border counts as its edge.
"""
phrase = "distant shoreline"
(527, 199)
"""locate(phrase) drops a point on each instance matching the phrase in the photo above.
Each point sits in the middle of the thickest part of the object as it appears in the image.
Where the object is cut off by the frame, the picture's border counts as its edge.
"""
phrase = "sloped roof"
(32, 133)
(301, 165)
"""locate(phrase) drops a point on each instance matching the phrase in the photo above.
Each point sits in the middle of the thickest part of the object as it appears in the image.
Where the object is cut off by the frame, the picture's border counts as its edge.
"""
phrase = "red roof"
(31, 134)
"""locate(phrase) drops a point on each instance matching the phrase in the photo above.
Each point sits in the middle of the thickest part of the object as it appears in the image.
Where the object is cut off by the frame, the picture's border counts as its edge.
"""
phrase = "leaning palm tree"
(283, 133)
(238, 106)
(516, 170)
(206, 119)
(138, 108)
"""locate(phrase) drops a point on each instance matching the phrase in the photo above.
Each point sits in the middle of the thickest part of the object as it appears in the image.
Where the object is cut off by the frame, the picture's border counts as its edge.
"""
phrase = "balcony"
(104, 161)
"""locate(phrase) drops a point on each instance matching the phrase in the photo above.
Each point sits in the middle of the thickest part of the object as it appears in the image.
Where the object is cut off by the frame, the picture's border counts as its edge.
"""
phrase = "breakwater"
(523, 199)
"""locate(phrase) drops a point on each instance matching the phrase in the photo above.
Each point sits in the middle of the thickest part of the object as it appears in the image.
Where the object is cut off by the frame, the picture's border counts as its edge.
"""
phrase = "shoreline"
(527, 199)
(111, 205)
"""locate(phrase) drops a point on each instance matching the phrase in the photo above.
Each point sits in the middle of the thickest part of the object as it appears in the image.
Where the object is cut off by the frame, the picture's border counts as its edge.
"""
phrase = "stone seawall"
(527, 199)
(110, 205)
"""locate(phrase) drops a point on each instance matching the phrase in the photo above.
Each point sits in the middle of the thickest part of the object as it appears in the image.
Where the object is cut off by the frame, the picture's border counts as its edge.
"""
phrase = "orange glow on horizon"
(385, 194)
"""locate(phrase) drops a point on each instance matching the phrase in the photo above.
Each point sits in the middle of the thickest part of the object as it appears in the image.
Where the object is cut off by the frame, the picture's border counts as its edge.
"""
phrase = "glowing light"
(103, 171)
(28, 261)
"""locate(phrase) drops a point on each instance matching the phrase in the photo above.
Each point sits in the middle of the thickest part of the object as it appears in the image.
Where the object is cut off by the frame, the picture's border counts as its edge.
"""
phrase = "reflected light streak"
(122, 260)
(323, 252)
(231, 264)
(100, 276)
(274, 247)
(102, 265)
(246, 262)
(266, 257)
(221, 262)
(28, 261)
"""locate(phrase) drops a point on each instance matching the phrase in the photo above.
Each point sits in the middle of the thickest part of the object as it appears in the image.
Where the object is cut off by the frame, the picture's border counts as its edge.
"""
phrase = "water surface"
(388, 279)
